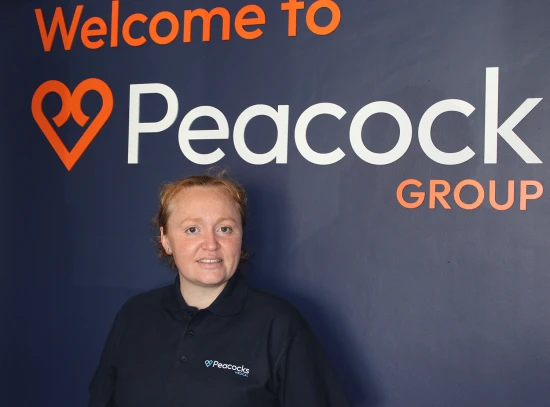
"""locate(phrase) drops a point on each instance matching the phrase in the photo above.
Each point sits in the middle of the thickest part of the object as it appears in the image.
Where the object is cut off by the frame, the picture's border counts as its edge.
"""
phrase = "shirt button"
(190, 333)
(191, 313)
(184, 358)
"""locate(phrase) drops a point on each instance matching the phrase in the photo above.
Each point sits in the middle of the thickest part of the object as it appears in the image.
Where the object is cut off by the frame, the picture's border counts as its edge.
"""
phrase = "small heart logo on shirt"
(208, 363)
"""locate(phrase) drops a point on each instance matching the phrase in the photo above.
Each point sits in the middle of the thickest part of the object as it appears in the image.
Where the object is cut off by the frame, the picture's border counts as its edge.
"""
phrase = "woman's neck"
(198, 296)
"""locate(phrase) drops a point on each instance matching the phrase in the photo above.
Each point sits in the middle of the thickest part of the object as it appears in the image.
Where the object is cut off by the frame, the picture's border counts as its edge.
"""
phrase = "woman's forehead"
(204, 199)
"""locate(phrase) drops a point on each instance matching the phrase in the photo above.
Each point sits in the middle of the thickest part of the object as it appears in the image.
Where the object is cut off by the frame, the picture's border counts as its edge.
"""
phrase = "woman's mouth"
(210, 261)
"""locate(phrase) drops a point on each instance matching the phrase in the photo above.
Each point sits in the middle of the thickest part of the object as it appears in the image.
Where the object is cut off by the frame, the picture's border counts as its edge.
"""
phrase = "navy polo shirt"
(247, 349)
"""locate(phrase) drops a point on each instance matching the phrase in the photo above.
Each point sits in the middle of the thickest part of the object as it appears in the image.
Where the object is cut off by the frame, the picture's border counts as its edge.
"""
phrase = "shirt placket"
(185, 358)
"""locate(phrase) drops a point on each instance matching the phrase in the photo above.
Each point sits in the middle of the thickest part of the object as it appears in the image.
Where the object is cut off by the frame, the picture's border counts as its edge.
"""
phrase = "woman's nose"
(210, 241)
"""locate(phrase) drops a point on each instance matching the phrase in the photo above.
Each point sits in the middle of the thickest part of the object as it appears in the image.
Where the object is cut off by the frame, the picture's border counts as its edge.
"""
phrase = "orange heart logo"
(71, 105)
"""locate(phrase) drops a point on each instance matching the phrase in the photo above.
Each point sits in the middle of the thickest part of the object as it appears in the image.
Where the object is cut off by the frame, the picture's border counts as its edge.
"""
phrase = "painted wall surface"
(395, 154)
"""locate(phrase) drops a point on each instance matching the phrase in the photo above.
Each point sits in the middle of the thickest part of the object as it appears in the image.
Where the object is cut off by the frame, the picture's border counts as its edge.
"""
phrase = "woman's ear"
(165, 241)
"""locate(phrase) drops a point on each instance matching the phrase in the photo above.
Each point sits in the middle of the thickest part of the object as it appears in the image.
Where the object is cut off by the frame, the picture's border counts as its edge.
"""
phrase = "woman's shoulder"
(148, 301)
(264, 298)
(270, 306)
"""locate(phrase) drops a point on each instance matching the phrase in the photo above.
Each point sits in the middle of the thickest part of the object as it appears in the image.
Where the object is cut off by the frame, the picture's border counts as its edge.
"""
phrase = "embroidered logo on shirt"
(240, 370)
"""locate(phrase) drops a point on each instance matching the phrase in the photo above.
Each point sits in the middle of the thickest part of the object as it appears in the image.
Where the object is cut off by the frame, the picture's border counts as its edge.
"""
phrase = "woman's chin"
(211, 277)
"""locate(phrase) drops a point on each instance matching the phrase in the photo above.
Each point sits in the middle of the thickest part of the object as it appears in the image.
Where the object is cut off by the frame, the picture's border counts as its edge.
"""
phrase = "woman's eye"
(226, 229)
(192, 229)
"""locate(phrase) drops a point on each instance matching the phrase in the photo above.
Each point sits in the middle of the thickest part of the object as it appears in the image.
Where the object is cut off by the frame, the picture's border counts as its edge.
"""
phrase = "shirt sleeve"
(305, 377)
(102, 385)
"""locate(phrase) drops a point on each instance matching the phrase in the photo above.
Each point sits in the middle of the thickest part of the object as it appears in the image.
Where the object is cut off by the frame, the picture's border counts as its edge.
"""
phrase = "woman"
(209, 339)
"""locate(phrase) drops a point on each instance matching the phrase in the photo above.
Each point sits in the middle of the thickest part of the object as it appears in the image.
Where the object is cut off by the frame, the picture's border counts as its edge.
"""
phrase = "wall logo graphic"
(66, 27)
(208, 363)
(71, 106)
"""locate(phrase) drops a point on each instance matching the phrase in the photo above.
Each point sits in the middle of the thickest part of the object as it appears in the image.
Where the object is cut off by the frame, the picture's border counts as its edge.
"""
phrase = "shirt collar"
(229, 302)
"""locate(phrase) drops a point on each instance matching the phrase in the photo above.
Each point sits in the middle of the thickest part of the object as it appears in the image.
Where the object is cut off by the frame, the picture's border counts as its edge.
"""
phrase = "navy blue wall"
(416, 307)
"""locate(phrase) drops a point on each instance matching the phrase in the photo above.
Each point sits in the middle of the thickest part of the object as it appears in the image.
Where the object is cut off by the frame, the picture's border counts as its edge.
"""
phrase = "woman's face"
(204, 234)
